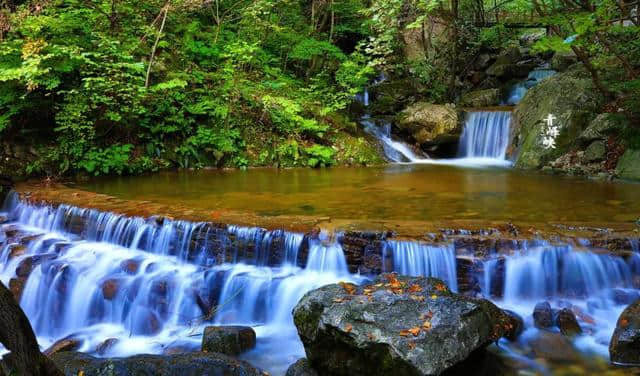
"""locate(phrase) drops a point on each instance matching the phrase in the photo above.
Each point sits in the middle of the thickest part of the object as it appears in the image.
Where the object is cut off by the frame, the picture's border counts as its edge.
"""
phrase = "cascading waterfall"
(486, 135)
(152, 283)
(394, 151)
(416, 259)
(517, 91)
(584, 281)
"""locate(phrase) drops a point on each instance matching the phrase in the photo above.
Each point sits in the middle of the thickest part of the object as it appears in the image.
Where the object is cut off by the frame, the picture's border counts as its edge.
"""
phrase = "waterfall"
(394, 151)
(416, 259)
(517, 91)
(154, 283)
(486, 135)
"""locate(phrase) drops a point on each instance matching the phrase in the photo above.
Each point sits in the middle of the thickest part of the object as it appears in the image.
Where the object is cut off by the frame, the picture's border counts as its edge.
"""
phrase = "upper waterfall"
(486, 135)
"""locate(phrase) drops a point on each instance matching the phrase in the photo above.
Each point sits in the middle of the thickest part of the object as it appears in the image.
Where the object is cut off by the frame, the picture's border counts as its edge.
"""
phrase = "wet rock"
(16, 250)
(481, 98)
(65, 344)
(553, 346)
(110, 288)
(428, 123)
(130, 266)
(16, 286)
(106, 345)
(399, 325)
(191, 364)
(567, 322)
(516, 325)
(628, 166)
(624, 348)
(28, 263)
(543, 315)
(230, 340)
(301, 368)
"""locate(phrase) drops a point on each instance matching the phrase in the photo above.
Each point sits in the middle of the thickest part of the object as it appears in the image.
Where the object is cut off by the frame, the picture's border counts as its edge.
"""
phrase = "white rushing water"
(151, 285)
(517, 91)
(596, 287)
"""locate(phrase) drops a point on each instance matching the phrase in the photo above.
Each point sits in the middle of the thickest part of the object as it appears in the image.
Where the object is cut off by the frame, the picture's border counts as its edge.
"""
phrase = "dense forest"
(124, 87)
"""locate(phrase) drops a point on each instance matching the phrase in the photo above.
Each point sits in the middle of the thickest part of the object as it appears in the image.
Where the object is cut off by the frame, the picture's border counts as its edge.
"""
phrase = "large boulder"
(624, 347)
(395, 325)
(428, 123)
(561, 61)
(628, 166)
(481, 98)
(302, 367)
(190, 364)
(229, 340)
(543, 315)
(603, 126)
(571, 99)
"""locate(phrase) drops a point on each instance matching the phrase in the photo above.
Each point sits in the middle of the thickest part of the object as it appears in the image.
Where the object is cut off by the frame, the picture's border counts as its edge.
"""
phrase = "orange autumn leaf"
(426, 325)
(411, 345)
(415, 331)
(348, 328)
(349, 288)
(414, 288)
(441, 287)
(417, 298)
(338, 300)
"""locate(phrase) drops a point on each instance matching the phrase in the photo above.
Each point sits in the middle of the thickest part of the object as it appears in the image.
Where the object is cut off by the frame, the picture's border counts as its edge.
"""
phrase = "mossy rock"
(481, 98)
(427, 122)
(628, 166)
(572, 99)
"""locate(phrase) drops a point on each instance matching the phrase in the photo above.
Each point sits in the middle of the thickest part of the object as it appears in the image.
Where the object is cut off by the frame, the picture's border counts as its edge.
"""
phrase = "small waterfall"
(486, 135)
(394, 151)
(517, 91)
(415, 259)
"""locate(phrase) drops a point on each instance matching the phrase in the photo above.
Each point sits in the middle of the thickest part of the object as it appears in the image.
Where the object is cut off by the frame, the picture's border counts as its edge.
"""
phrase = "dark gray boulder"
(395, 325)
(229, 340)
(543, 315)
(301, 368)
(191, 364)
(567, 323)
(624, 348)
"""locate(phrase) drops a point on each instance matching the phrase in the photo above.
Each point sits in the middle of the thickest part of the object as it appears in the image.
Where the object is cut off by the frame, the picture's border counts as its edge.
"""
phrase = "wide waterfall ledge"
(150, 285)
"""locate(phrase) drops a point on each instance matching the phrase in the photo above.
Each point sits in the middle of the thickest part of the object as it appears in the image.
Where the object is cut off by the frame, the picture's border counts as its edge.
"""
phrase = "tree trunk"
(17, 336)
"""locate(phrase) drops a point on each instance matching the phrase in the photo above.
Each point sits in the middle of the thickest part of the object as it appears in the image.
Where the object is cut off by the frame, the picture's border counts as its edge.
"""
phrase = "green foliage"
(112, 160)
(75, 75)
(319, 156)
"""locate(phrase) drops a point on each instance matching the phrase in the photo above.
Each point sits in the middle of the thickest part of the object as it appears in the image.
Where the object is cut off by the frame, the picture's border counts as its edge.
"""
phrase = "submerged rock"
(553, 346)
(567, 323)
(301, 368)
(428, 123)
(543, 315)
(191, 364)
(396, 325)
(624, 347)
(229, 340)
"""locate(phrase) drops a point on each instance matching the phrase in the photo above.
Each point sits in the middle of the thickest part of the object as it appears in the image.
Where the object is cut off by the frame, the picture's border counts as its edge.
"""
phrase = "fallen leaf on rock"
(414, 288)
(338, 300)
(348, 328)
(426, 325)
(411, 345)
(426, 316)
(441, 287)
(417, 298)
(434, 296)
(349, 288)
(415, 331)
